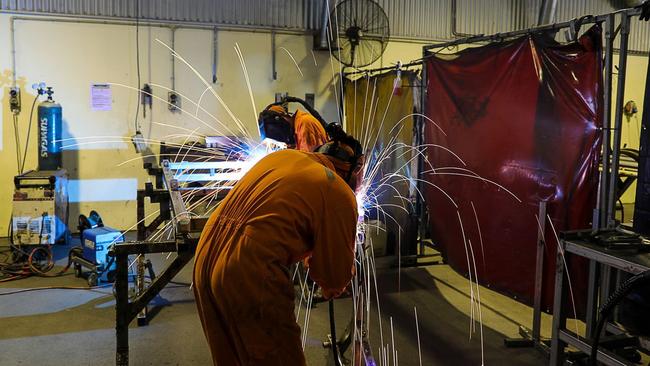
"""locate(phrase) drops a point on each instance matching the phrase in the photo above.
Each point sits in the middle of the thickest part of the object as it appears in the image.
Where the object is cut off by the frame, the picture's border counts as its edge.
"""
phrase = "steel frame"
(598, 256)
(184, 244)
(604, 212)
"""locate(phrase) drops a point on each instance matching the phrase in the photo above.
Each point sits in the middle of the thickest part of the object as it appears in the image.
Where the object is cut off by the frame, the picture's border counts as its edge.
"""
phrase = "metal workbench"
(601, 258)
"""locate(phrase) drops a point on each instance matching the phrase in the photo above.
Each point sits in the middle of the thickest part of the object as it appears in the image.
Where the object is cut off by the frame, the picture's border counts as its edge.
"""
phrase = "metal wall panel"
(288, 14)
(414, 19)
(639, 35)
(489, 17)
(428, 19)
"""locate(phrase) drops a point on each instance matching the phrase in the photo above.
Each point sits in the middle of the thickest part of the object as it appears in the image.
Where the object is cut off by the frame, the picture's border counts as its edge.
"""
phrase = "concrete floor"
(76, 327)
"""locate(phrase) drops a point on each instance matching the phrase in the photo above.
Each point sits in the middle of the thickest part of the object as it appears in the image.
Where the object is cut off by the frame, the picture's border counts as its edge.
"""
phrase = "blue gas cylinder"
(49, 137)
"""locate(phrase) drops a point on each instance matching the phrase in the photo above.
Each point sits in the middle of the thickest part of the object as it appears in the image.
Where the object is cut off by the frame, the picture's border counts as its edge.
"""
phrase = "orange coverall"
(289, 206)
(310, 133)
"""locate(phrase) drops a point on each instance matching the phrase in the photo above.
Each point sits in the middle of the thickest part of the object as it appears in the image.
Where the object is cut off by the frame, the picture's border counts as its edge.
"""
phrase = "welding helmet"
(274, 123)
(344, 148)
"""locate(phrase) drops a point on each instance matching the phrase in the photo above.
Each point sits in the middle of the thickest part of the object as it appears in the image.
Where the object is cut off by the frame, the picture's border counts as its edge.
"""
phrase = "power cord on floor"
(32, 266)
(94, 288)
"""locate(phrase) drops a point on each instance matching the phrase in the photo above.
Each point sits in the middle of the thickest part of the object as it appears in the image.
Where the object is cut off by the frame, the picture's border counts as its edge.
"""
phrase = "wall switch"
(14, 100)
(309, 98)
(174, 101)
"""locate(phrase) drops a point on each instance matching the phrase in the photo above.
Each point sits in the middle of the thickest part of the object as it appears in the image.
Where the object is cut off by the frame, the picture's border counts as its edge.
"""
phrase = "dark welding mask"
(275, 125)
(335, 149)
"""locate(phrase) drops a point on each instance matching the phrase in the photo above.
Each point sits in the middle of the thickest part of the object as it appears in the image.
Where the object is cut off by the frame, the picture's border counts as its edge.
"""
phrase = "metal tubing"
(122, 319)
(550, 27)
(12, 30)
(592, 298)
(173, 58)
(140, 247)
(559, 315)
(605, 357)
(181, 216)
(215, 53)
(139, 286)
(140, 214)
(539, 274)
(419, 138)
(607, 258)
(324, 25)
(64, 18)
(380, 69)
(618, 120)
(454, 24)
(547, 12)
(274, 73)
(607, 120)
(160, 282)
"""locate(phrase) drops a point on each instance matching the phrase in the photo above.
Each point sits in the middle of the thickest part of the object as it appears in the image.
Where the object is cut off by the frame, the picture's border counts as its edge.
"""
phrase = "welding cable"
(334, 340)
(29, 129)
(633, 282)
(15, 271)
(43, 272)
(137, 62)
(17, 141)
(93, 288)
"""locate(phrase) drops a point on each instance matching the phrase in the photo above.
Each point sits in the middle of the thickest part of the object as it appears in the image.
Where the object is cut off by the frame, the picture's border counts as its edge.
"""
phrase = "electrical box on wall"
(14, 100)
(279, 96)
(309, 98)
(174, 101)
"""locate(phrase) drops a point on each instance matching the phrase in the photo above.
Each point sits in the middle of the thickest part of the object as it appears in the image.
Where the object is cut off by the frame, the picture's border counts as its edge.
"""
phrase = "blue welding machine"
(95, 243)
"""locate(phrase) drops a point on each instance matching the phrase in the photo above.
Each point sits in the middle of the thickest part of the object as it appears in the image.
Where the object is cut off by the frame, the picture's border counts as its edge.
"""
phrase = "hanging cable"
(618, 295)
(17, 140)
(137, 62)
(29, 129)
(93, 288)
(334, 340)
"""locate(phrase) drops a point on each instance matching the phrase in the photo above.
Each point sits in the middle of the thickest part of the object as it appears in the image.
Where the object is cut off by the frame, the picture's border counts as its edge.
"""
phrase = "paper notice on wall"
(101, 97)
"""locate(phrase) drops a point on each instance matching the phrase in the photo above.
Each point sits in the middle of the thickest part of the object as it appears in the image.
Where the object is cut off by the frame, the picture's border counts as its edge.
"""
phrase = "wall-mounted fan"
(360, 30)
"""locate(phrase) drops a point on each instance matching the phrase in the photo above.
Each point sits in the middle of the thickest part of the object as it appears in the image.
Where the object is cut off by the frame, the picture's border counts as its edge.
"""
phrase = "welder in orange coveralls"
(301, 130)
(290, 206)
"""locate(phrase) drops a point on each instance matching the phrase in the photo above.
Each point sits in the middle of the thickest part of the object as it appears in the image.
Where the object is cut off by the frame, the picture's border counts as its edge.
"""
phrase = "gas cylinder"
(49, 133)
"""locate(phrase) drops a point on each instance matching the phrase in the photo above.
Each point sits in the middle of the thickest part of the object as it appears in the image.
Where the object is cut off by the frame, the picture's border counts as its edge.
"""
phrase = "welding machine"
(40, 208)
(96, 240)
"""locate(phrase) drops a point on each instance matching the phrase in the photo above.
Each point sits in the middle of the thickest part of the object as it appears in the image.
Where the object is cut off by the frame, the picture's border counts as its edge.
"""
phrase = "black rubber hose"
(29, 129)
(302, 102)
(334, 341)
(610, 304)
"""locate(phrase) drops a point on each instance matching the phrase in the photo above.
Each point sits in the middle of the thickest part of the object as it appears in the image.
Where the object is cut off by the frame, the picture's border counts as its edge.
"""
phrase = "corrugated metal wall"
(286, 14)
(639, 34)
(496, 16)
(416, 19)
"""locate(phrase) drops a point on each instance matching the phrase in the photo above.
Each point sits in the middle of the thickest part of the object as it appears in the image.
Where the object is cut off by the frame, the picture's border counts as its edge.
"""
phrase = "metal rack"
(187, 230)
(605, 210)
(626, 260)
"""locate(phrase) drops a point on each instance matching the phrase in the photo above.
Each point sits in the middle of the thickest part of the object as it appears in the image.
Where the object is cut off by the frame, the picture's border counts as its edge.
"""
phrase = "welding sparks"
(381, 182)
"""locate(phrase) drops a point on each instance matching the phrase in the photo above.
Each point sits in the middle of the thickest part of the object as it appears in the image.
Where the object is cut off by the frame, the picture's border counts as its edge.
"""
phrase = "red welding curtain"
(524, 114)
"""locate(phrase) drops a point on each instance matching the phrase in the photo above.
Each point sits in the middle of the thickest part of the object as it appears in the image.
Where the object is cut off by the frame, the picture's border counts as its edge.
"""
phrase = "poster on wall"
(101, 97)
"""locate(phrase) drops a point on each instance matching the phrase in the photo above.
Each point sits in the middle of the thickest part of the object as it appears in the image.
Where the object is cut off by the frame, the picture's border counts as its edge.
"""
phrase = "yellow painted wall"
(70, 57)
(637, 67)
